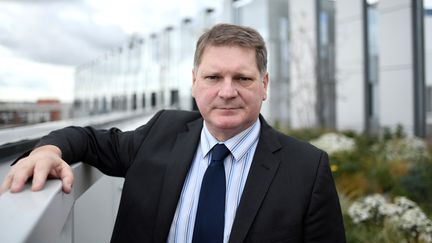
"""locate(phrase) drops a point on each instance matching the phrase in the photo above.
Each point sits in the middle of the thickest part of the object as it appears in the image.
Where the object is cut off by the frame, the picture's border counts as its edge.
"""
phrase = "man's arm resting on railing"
(42, 162)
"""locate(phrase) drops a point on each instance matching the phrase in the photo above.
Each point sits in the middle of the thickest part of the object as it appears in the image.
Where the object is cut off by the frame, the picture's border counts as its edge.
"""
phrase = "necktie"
(210, 216)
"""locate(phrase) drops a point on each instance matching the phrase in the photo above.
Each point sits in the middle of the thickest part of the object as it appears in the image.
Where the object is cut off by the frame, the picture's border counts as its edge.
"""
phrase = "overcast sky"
(42, 41)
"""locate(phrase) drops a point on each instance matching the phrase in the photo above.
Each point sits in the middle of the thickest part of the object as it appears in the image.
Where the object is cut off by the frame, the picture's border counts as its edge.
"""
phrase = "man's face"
(228, 89)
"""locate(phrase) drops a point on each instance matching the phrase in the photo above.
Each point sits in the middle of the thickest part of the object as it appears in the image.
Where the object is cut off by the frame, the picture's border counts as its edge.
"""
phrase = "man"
(221, 175)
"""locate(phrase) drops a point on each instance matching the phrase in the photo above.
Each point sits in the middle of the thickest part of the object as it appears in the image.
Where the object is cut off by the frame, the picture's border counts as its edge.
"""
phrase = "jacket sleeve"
(324, 221)
(111, 151)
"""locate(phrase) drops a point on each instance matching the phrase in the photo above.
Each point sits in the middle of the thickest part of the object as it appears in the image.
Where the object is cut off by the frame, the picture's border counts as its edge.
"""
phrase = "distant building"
(354, 64)
(24, 113)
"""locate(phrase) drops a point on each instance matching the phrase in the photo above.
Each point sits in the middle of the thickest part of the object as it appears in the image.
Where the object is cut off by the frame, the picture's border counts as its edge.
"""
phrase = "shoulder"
(172, 120)
(285, 143)
(294, 154)
(179, 115)
(298, 159)
(293, 145)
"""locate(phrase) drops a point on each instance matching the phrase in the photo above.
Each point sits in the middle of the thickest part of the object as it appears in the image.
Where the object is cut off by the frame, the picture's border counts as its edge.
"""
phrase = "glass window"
(428, 42)
(427, 5)
(371, 55)
(326, 89)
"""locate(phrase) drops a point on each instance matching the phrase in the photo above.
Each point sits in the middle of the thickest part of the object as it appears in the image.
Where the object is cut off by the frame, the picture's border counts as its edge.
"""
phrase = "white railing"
(34, 131)
(47, 215)
(87, 214)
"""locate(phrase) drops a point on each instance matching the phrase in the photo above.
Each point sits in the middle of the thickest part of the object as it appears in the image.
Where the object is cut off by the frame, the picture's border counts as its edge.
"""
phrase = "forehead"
(235, 57)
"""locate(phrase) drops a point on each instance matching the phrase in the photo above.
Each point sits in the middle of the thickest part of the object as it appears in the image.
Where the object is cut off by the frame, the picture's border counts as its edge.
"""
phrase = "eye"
(212, 77)
(244, 79)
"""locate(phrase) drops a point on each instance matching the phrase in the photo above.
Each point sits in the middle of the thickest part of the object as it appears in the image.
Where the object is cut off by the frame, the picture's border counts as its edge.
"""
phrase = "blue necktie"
(210, 216)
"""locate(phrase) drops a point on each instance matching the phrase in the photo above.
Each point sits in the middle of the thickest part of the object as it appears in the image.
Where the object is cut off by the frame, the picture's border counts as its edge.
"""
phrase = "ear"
(265, 85)
(193, 82)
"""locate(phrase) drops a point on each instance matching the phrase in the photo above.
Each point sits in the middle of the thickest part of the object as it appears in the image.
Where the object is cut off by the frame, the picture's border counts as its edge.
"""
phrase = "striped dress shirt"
(237, 165)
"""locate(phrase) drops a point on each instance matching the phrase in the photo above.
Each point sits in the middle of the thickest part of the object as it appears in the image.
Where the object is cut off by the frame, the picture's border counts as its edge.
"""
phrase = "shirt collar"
(245, 138)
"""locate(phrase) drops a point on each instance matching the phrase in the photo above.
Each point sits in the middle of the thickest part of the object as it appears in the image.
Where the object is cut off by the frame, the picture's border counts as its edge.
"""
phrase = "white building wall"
(277, 41)
(185, 62)
(303, 63)
(350, 88)
(395, 64)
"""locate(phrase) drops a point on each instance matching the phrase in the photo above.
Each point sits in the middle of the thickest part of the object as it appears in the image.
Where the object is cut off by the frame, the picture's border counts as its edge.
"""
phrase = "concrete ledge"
(44, 216)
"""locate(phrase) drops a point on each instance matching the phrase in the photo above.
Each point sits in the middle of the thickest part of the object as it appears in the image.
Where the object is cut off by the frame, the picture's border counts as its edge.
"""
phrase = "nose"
(227, 89)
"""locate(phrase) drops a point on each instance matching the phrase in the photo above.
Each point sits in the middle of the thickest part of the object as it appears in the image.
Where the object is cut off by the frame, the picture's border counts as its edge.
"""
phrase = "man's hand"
(42, 162)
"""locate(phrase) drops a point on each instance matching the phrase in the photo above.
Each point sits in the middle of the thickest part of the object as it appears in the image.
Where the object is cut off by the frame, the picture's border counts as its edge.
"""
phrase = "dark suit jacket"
(289, 194)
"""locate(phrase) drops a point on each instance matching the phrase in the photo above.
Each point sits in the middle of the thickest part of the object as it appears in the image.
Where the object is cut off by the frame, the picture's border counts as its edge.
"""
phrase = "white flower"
(359, 212)
(407, 149)
(412, 219)
(404, 203)
(389, 209)
(334, 142)
(415, 222)
(403, 212)
(367, 208)
(375, 200)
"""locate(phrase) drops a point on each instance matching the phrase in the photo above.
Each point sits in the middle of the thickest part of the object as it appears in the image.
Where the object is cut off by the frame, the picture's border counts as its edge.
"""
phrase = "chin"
(228, 123)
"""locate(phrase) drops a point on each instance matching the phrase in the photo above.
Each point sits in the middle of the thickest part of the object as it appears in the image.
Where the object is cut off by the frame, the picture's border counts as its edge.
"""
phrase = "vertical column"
(350, 48)
(303, 64)
(371, 58)
(326, 70)
(428, 64)
(396, 64)
(419, 69)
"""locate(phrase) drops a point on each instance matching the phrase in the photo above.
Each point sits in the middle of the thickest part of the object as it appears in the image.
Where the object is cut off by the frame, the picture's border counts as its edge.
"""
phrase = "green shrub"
(391, 164)
(417, 184)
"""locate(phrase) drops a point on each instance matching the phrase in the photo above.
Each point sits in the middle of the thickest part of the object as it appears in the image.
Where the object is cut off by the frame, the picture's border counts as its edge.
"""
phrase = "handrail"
(46, 215)
(35, 131)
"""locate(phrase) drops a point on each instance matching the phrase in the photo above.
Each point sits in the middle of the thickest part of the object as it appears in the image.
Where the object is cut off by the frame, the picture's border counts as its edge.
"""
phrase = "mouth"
(227, 111)
(227, 108)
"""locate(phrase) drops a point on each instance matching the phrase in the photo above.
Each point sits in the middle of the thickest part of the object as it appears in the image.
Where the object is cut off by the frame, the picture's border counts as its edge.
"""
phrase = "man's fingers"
(67, 184)
(19, 178)
(40, 175)
(66, 175)
(42, 162)
(6, 183)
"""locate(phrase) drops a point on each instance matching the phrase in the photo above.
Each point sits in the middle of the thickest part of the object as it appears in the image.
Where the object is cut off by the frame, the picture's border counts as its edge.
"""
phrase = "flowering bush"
(411, 149)
(388, 164)
(334, 142)
(403, 213)
(366, 209)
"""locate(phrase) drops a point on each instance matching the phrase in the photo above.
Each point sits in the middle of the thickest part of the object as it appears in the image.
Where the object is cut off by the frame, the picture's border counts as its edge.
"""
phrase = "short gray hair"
(233, 35)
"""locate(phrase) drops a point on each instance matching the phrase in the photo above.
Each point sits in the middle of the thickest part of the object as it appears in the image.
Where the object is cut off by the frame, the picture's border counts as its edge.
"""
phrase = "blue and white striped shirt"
(237, 165)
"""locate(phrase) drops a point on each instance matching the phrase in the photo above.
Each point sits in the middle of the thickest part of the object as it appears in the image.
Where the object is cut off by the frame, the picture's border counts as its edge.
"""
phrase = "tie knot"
(219, 152)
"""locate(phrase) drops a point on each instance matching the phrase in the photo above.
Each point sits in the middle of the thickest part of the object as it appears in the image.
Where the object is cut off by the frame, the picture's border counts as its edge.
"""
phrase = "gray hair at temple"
(233, 35)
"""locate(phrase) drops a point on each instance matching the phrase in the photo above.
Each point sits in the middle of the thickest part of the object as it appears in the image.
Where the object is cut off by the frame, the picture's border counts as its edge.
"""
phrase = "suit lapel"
(263, 169)
(177, 169)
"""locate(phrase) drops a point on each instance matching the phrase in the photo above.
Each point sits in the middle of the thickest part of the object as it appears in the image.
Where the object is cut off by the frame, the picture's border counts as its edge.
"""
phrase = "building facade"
(354, 64)
(14, 114)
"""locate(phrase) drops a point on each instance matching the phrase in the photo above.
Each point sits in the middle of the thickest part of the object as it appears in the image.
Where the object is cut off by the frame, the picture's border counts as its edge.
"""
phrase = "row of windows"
(120, 103)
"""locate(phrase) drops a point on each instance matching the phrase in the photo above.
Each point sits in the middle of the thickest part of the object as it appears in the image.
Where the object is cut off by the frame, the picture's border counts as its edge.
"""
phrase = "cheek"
(202, 98)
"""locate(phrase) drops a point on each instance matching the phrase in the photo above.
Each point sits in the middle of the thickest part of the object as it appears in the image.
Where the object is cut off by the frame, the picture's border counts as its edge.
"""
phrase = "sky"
(42, 41)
